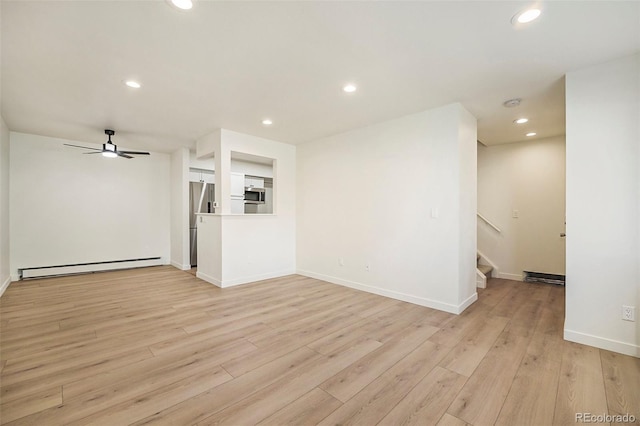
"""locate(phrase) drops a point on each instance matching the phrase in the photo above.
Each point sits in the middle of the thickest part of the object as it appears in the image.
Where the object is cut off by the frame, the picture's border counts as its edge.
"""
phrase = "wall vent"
(540, 277)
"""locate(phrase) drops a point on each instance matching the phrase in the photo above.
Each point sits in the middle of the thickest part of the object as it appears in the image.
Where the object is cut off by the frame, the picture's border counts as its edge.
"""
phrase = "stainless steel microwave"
(254, 195)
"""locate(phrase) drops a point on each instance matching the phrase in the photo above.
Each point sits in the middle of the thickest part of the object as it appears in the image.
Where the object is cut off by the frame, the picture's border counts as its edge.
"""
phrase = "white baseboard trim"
(468, 302)
(5, 285)
(243, 280)
(416, 300)
(481, 279)
(485, 260)
(180, 266)
(254, 278)
(506, 276)
(209, 279)
(602, 343)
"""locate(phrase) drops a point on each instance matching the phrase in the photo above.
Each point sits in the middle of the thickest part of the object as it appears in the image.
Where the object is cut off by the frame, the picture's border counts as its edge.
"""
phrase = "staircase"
(482, 273)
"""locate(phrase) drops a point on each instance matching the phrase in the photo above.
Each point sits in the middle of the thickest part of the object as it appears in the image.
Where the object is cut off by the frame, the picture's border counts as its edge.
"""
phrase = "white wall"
(239, 166)
(210, 248)
(603, 212)
(180, 257)
(67, 207)
(257, 247)
(5, 275)
(468, 205)
(251, 169)
(367, 197)
(528, 177)
(201, 163)
(253, 247)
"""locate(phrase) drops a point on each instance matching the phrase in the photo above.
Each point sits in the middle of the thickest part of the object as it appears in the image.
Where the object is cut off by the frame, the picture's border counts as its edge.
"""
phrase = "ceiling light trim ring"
(512, 103)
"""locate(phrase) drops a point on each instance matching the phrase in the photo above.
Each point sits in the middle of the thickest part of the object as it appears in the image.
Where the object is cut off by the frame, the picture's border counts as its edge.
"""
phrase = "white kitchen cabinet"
(237, 193)
(237, 184)
(237, 206)
(207, 176)
(253, 182)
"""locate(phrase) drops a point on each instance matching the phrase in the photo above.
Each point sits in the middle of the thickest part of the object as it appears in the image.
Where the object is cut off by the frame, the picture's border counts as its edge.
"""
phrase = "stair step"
(485, 269)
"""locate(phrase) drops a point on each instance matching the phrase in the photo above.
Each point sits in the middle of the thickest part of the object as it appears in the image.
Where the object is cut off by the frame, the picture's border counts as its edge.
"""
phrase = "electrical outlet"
(367, 267)
(340, 261)
(628, 313)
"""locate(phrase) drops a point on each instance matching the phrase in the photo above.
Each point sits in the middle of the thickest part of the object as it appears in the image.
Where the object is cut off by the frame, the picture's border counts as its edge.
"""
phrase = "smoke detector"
(511, 103)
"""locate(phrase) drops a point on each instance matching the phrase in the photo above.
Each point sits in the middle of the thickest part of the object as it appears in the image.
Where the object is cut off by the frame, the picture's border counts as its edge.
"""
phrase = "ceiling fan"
(109, 149)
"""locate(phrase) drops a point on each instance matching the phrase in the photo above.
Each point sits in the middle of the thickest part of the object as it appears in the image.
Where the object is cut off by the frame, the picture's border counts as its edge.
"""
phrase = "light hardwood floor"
(159, 346)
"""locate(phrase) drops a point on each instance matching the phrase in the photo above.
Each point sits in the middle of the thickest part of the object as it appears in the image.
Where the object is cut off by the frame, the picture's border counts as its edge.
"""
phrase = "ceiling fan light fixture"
(109, 149)
(531, 134)
(521, 120)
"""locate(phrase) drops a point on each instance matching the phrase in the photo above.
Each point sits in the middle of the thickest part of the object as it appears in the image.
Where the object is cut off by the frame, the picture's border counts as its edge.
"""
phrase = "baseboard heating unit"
(539, 277)
(84, 268)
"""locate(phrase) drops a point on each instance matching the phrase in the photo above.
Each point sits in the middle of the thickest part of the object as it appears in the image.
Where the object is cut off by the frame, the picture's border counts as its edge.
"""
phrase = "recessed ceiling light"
(133, 84)
(511, 103)
(182, 4)
(526, 16)
(521, 120)
(267, 122)
(531, 134)
(349, 88)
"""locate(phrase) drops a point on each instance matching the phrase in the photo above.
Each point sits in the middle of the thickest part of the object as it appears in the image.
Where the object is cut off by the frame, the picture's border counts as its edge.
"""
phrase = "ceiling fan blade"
(134, 152)
(83, 147)
(120, 154)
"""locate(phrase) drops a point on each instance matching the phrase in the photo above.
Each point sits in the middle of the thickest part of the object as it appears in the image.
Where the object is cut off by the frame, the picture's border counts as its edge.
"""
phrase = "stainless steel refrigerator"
(201, 198)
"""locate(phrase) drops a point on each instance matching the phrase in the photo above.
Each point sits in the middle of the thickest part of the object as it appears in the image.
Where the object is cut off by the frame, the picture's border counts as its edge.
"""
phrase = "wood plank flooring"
(159, 346)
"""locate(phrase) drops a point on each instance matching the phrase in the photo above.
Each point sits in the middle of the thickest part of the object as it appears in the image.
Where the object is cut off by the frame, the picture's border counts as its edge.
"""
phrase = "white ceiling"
(231, 64)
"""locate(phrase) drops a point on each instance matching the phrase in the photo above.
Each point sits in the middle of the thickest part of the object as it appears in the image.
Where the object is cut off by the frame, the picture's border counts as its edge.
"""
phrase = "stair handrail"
(488, 222)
